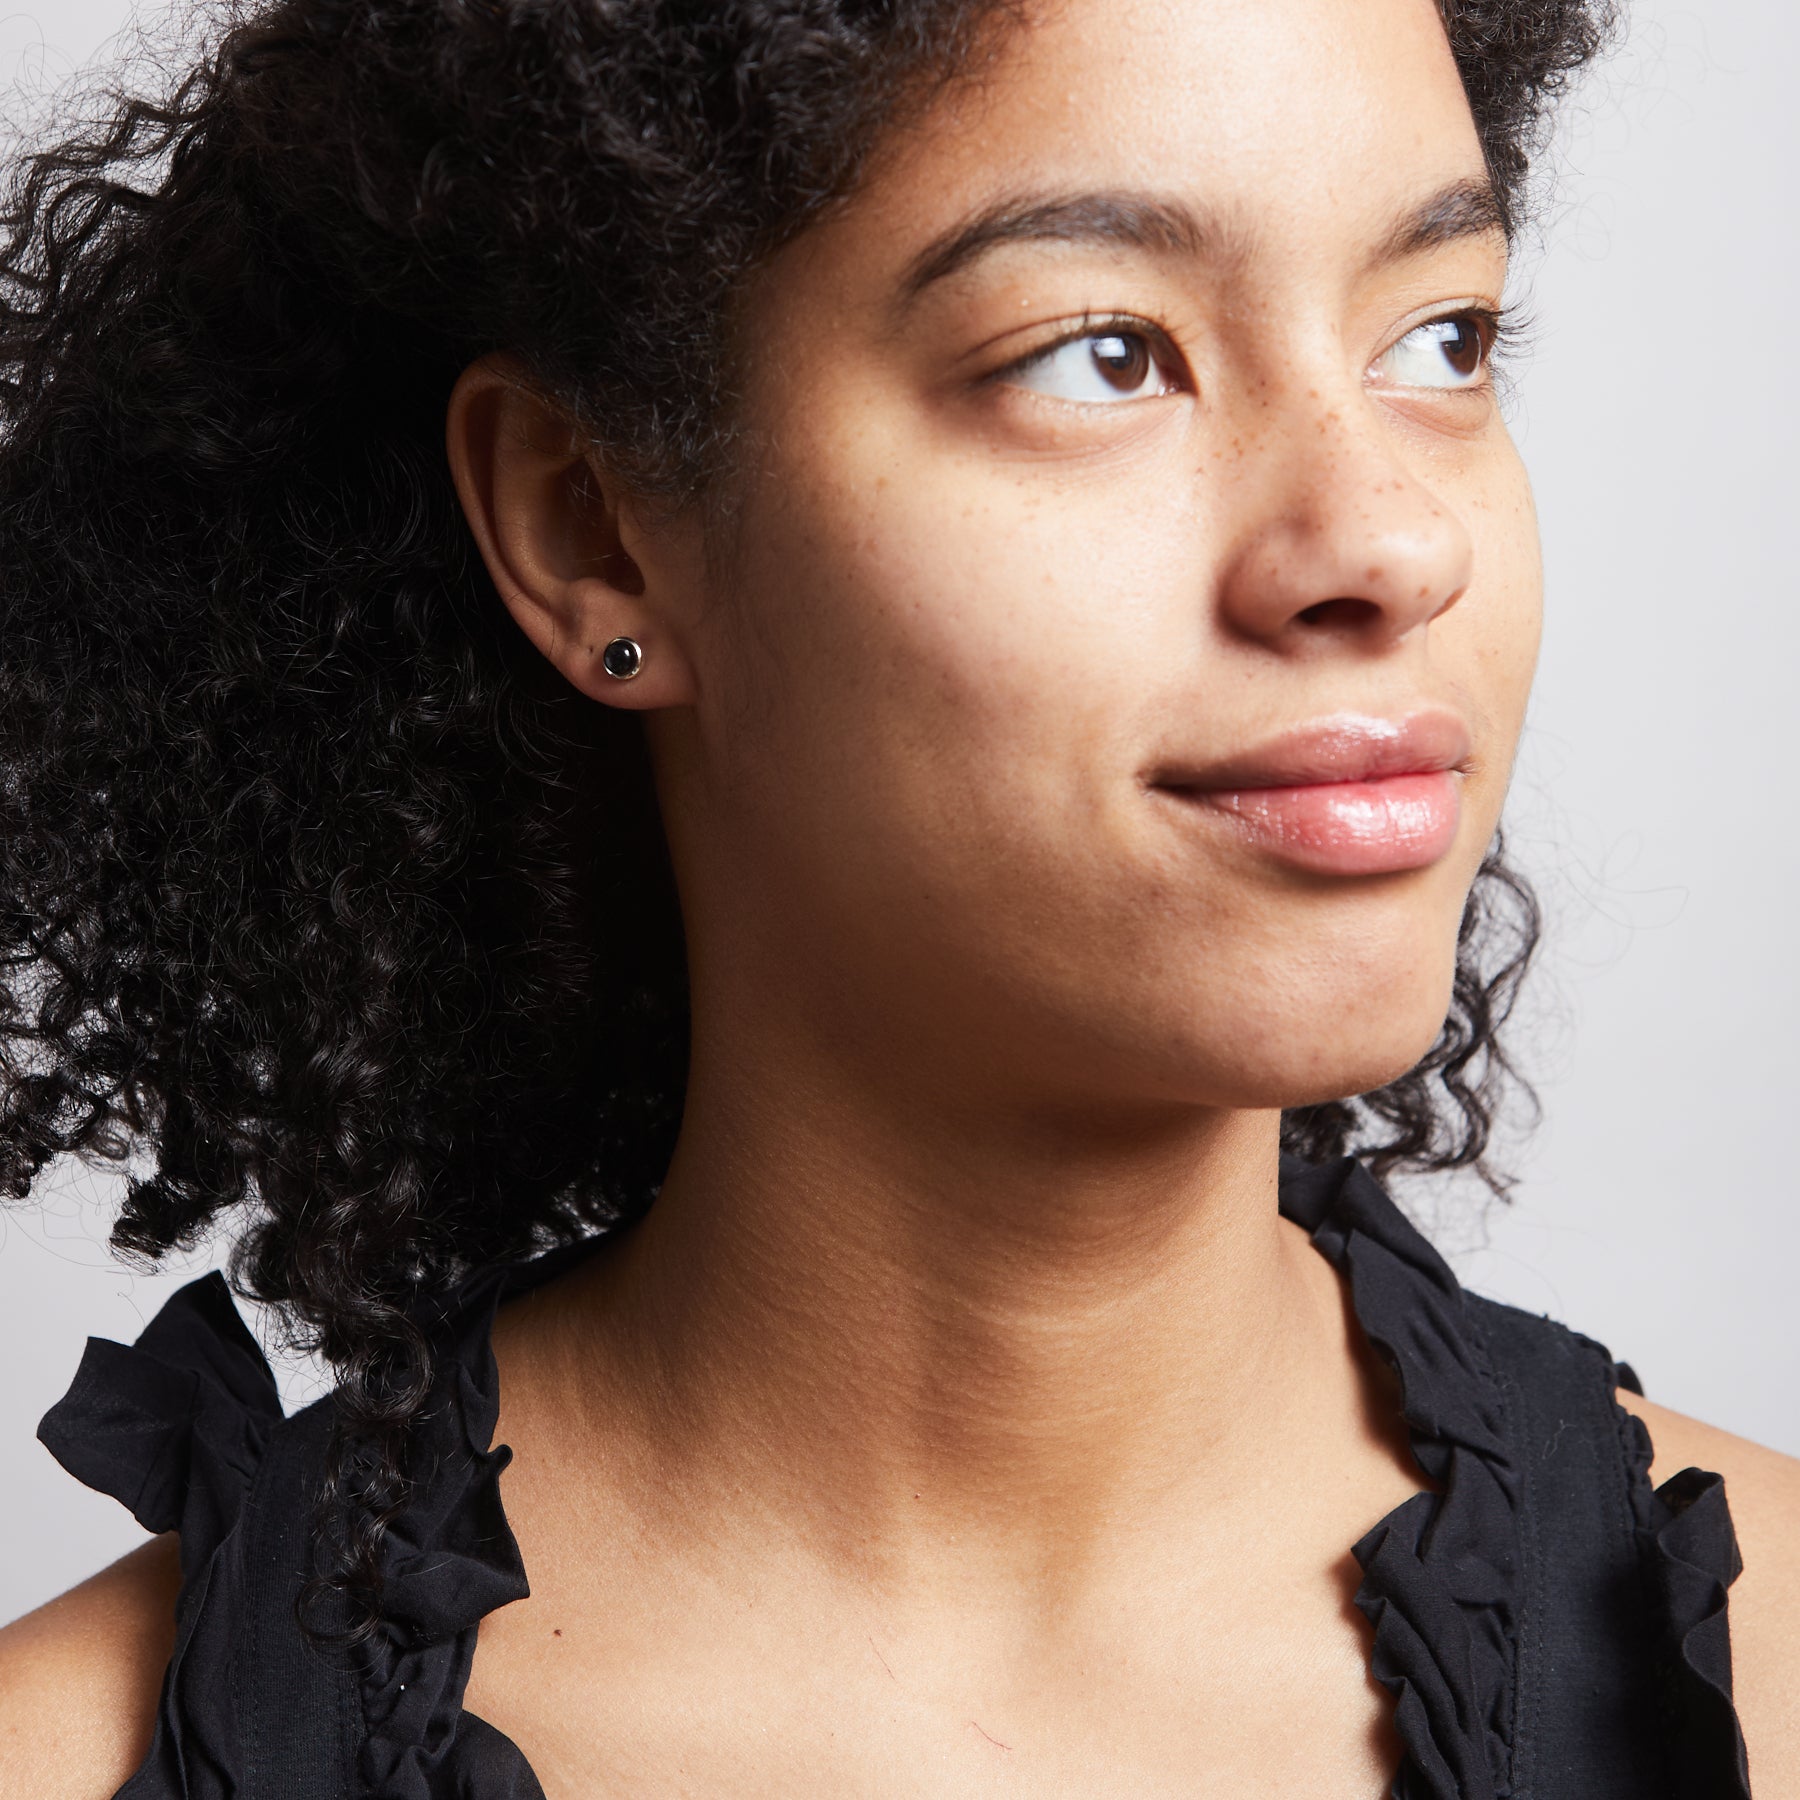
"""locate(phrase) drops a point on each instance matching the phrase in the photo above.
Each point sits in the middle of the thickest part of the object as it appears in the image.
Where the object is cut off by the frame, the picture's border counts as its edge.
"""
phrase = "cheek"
(957, 640)
(1492, 640)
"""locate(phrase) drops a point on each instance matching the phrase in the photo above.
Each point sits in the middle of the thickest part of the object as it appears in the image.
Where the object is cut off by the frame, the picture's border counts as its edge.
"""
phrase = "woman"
(950, 697)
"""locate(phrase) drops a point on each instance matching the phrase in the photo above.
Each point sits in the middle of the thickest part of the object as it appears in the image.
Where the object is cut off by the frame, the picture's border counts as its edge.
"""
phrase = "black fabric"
(1582, 1725)
(1645, 1566)
(1440, 1572)
(298, 1711)
(1549, 1626)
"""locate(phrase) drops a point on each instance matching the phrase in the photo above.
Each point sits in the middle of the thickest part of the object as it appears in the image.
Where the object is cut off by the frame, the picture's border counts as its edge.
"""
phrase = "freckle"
(1376, 571)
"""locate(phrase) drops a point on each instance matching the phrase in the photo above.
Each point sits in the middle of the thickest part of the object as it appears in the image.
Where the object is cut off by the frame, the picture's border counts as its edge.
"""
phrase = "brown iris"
(1463, 343)
(1124, 361)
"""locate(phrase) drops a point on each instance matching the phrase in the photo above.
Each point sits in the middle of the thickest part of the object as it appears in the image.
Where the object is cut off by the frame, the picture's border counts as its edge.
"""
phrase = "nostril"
(1341, 615)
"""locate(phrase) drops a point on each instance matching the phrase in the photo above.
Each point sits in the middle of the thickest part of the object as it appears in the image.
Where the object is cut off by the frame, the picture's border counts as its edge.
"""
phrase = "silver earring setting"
(622, 658)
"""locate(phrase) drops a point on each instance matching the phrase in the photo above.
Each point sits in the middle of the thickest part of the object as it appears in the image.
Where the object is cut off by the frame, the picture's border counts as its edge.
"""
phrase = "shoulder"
(1762, 1488)
(80, 1677)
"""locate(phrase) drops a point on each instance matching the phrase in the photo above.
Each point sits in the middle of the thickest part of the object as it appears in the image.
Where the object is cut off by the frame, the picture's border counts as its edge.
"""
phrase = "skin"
(964, 1419)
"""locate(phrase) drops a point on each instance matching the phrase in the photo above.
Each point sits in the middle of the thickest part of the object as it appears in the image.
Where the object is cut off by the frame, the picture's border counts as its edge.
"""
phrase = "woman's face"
(1121, 484)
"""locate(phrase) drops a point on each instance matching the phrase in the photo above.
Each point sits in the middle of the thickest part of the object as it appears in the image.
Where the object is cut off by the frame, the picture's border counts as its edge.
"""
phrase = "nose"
(1342, 546)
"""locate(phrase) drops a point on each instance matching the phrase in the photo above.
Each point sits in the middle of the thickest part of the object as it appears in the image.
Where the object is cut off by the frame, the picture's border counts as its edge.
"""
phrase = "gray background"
(1653, 804)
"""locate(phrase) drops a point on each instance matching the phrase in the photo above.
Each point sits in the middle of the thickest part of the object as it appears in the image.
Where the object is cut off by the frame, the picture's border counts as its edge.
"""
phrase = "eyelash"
(1504, 329)
(1162, 347)
(1512, 329)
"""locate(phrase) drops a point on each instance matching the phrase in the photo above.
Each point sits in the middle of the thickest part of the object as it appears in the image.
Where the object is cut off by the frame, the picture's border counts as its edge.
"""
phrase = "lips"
(1346, 795)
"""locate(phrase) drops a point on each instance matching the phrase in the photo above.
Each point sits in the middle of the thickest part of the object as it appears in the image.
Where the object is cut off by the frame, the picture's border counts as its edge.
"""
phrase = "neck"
(889, 1313)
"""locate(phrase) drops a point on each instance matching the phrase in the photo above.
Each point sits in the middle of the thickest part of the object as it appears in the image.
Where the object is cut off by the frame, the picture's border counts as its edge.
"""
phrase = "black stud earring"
(622, 658)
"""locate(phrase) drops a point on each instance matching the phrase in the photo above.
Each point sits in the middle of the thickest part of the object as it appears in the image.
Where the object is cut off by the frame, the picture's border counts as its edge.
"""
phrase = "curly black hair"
(302, 870)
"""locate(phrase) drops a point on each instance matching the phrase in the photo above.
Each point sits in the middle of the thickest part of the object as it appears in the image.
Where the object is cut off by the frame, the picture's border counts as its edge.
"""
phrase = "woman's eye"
(1098, 366)
(1442, 353)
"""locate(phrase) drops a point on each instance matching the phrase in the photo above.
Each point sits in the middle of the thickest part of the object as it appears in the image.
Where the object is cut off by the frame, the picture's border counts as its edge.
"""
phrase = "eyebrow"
(1118, 220)
(1464, 209)
(1139, 221)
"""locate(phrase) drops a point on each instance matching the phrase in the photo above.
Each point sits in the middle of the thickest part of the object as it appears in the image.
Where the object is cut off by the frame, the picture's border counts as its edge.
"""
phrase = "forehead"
(1287, 124)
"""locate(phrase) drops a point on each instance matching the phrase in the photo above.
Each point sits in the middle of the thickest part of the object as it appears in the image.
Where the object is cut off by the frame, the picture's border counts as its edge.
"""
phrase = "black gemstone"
(622, 658)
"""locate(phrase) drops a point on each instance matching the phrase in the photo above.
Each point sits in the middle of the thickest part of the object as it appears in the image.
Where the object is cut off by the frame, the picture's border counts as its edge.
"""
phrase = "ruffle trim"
(173, 1426)
(1692, 1558)
(450, 1559)
(176, 1426)
(1440, 1572)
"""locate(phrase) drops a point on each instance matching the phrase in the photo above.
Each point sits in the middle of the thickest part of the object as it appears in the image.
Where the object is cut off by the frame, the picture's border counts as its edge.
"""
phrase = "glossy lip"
(1343, 747)
(1346, 795)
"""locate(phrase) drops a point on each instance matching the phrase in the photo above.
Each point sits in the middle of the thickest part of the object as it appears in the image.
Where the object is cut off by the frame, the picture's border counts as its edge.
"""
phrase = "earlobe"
(550, 528)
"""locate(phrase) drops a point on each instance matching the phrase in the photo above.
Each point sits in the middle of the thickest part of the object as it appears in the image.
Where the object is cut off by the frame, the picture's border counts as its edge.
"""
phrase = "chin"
(1315, 1042)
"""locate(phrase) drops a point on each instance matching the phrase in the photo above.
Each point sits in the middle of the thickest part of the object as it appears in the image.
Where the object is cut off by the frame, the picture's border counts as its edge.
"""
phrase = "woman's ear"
(573, 562)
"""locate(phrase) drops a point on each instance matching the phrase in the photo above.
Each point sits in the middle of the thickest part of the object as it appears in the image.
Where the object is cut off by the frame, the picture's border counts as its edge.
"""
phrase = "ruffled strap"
(179, 1427)
(1440, 1572)
(175, 1425)
(1692, 1557)
(449, 1559)
(1546, 1621)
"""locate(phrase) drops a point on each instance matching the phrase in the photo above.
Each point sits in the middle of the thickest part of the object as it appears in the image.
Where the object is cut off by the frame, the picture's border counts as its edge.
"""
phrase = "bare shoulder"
(1763, 1488)
(79, 1679)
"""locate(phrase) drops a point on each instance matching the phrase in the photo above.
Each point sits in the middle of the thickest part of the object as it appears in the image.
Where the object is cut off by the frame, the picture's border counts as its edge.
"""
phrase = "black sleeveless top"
(1549, 1626)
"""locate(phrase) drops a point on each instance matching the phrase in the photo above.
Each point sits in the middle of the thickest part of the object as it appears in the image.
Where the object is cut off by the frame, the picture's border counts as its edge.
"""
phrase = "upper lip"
(1346, 746)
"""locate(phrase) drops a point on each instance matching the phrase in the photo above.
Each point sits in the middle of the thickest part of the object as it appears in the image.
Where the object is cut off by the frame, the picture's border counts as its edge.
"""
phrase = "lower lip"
(1346, 827)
